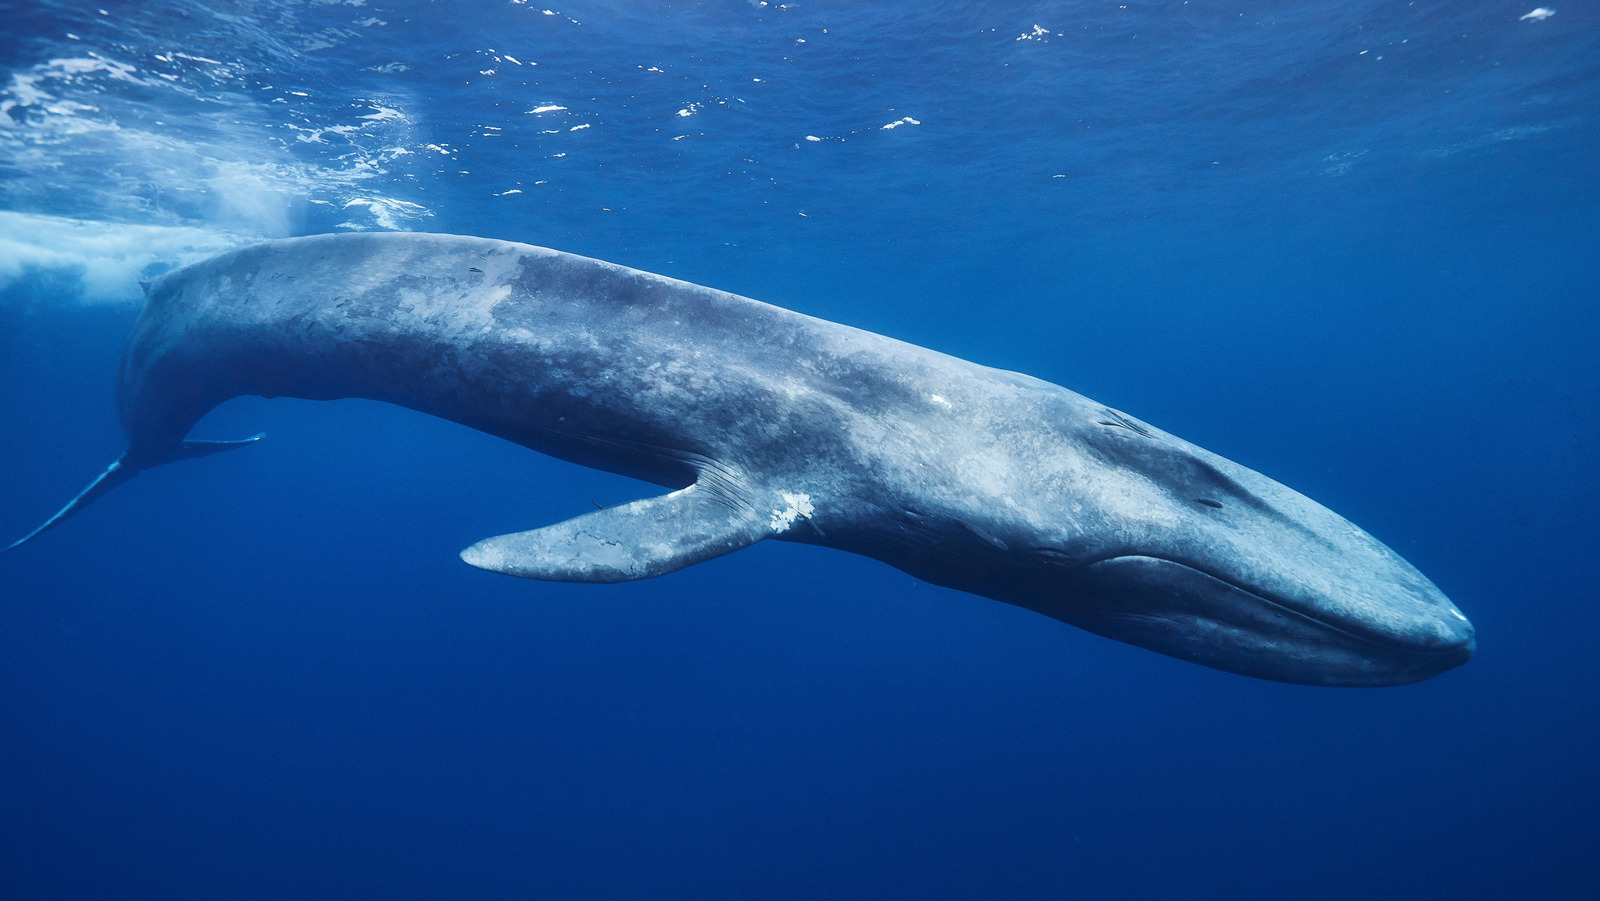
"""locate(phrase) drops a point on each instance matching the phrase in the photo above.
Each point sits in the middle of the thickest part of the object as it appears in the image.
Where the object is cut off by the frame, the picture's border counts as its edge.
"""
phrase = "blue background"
(1350, 244)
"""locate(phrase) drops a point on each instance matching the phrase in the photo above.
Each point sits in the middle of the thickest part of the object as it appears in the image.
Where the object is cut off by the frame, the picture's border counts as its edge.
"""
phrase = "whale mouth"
(1186, 611)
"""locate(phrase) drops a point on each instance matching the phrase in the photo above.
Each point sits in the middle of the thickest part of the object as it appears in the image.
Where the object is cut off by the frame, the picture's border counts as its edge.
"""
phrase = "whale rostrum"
(765, 423)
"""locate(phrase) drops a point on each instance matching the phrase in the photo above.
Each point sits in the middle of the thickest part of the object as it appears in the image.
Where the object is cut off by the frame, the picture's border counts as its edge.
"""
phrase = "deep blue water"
(1353, 245)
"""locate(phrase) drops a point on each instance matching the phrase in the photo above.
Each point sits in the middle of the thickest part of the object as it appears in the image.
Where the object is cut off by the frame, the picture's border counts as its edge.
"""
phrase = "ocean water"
(1352, 245)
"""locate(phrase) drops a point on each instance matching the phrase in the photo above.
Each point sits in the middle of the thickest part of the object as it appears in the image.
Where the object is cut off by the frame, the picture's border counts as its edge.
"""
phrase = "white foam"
(97, 262)
(114, 156)
(387, 212)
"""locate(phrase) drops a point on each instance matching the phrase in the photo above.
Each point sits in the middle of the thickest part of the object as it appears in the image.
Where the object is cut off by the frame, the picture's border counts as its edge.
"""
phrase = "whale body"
(768, 424)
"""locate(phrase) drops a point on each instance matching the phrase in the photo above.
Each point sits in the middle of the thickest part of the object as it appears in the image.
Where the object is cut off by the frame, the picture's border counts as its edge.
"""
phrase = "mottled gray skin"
(771, 424)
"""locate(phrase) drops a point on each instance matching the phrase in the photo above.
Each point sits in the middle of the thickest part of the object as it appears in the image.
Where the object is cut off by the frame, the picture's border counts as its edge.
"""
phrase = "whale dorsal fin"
(648, 537)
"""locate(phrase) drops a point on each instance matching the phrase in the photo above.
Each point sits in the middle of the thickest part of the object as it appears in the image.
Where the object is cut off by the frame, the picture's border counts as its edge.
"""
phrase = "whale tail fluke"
(189, 450)
(119, 472)
(115, 475)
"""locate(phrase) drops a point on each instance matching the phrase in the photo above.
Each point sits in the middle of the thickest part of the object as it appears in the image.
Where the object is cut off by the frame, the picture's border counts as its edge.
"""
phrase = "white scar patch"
(799, 508)
(939, 400)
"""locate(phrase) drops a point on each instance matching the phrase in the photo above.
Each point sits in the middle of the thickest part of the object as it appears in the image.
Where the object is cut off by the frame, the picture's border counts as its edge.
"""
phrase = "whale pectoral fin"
(648, 537)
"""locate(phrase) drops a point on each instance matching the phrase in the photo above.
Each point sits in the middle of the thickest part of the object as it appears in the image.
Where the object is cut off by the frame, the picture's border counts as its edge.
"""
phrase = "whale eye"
(1209, 503)
(1054, 555)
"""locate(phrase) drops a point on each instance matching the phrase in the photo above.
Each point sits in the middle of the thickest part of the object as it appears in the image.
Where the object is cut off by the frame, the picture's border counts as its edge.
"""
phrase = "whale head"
(1140, 536)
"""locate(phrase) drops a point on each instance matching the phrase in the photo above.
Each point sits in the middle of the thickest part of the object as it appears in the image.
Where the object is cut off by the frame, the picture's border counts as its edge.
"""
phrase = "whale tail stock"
(121, 471)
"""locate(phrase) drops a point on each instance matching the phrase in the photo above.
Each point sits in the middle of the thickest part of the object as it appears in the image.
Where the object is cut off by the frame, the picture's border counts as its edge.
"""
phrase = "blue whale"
(765, 423)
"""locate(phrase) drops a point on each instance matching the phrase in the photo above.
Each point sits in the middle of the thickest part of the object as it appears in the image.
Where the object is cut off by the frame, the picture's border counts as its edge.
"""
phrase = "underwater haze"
(1352, 245)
